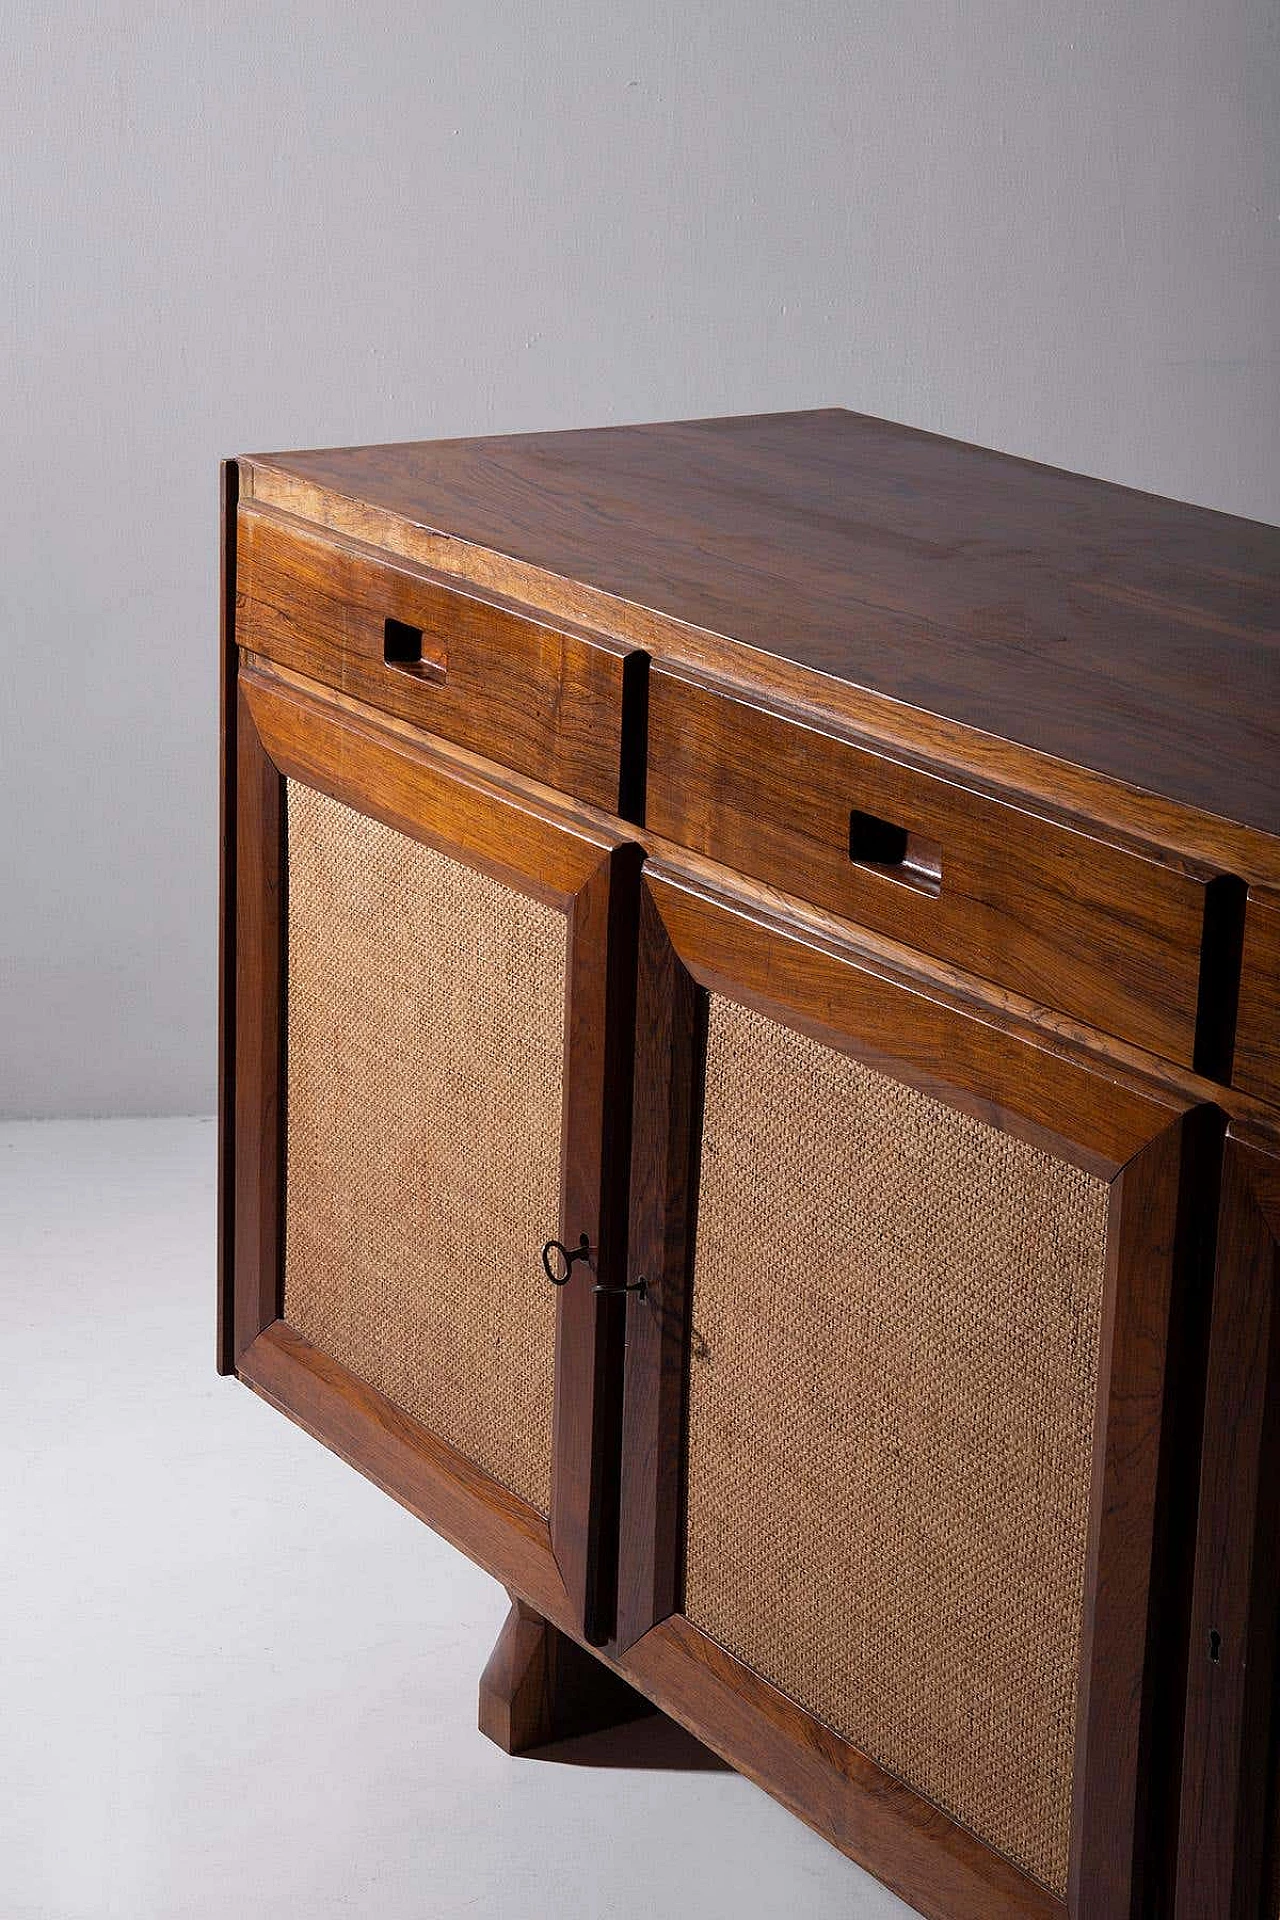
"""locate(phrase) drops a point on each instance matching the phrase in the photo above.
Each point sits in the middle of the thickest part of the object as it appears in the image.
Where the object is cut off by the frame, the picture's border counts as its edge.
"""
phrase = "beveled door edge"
(494, 1527)
(1141, 1523)
(872, 1816)
(404, 782)
(1228, 1782)
(595, 1177)
(663, 1200)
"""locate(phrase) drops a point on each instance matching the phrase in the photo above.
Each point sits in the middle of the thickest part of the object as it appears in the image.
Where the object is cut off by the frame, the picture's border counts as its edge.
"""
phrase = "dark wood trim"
(1177, 1492)
(594, 1180)
(540, 1686)
(663, 1176)
(227, 760)
(493, 1527)
(259, 1033)
(1233, 1639)
(633, 771)
(1221, 947)
(1257, 1050)
(910, 1845)
(1116, 1834)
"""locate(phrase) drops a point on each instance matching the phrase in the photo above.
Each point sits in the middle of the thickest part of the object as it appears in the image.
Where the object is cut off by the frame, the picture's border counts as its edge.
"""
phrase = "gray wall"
(1049, 228)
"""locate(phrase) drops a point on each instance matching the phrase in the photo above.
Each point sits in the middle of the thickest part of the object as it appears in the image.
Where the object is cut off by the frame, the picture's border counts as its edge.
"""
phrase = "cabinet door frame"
(1229, 1783)
(564, 1564)
(1145, 1139)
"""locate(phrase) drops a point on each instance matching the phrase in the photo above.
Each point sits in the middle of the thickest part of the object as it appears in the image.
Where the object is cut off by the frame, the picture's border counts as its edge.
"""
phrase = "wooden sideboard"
(750, 1102)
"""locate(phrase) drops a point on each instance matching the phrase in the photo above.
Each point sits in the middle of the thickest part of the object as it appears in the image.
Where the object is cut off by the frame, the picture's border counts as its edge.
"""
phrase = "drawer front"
(470, 666)
(1257, 1058)
(1098, 931)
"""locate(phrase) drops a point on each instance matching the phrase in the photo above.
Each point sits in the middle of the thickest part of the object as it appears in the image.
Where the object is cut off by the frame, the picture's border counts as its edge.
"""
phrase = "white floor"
(235, 1679)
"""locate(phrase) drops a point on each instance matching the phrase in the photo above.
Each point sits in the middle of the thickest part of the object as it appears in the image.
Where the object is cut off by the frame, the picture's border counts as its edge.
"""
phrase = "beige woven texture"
(891, 1421)
(425, 1078)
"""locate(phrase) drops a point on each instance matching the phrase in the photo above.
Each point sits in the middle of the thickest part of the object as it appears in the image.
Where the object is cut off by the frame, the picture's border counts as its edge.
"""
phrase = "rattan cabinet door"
(895, 1412)
(432, 1011)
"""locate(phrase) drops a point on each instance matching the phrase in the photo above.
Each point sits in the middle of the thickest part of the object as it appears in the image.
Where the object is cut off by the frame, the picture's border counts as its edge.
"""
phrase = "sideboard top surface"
(1112, 629)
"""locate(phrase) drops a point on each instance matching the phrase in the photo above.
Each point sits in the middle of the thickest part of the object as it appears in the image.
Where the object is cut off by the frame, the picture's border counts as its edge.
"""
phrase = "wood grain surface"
(1234, 1619)
(1257, 1048)
(1115, 630)
(1111, 932)
(544, 698)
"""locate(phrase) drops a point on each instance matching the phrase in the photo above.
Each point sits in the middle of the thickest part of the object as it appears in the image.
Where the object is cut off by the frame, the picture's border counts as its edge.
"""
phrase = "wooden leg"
(540, 1686)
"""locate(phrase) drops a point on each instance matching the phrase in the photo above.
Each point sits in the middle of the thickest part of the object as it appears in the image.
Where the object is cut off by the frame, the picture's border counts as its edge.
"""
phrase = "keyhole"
(1215, 1646)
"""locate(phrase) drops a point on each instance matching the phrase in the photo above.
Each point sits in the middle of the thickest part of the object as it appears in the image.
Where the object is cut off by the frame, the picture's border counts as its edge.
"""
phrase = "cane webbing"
(425, 1049)
(896, 1315)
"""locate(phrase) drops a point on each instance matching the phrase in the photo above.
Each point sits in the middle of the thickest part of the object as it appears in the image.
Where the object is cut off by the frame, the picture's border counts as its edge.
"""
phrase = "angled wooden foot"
(540, 1686)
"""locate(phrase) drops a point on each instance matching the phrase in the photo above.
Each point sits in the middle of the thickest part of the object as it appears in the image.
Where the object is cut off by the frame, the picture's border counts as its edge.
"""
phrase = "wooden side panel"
(1235, 1609)
(259, 1037)
(227, 764)
(1257, 1062)
(544, 698)
(1107, 933)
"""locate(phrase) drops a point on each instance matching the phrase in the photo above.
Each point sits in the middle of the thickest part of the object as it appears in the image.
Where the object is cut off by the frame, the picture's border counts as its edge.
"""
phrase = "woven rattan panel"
(425, 1049)
(896, 1313)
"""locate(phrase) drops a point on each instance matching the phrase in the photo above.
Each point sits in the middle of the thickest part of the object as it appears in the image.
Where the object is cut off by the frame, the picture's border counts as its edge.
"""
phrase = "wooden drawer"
(1135, 942)
(1257, 1057)
(550, 700)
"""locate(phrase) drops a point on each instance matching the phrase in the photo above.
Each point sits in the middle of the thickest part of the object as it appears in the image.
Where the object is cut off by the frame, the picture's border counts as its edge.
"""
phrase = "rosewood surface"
(1235, 1616)
(1116, 630)
(1257, 1049)
(1112, 932)
(472, 666)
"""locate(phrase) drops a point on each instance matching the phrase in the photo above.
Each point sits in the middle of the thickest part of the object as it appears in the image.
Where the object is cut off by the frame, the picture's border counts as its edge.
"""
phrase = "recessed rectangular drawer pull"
(539, 694)
(1104, 930)
(402, 649)
(895, 851)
